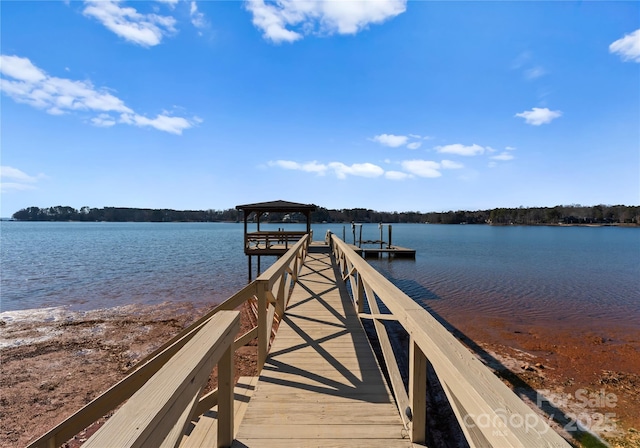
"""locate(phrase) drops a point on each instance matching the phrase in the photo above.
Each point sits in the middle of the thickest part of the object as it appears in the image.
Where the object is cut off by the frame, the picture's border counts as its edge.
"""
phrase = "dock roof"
(277, 206)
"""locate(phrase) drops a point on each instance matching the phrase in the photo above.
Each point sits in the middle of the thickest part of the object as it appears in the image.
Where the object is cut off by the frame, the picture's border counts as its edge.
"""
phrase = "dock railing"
(264, 240)
(193, 352)
(488, 412)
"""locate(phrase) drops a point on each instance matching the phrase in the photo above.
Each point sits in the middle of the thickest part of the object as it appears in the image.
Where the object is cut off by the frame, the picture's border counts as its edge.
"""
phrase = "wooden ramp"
(321, 384)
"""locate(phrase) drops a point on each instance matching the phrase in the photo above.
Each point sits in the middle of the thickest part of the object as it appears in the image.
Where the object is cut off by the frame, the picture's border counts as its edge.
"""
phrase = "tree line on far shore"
(561, 214)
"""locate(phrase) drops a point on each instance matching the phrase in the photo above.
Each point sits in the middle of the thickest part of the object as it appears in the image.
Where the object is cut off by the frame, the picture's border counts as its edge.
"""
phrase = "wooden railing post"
(418, 392)
(264, 327)
(226, 374)
(360, 293)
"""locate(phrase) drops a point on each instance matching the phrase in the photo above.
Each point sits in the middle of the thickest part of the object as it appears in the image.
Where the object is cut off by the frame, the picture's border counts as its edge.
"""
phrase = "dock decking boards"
(321, 384)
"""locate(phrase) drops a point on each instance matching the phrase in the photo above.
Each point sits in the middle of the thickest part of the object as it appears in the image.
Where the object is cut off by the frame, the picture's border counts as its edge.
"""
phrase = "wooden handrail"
(282, 274)
(231, 303)
(488, 412)
(276, 282)
(272, 237)
(158, 413)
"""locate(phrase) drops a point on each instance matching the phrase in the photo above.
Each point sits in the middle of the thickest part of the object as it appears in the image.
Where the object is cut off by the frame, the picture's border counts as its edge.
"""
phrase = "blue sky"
(389, 105)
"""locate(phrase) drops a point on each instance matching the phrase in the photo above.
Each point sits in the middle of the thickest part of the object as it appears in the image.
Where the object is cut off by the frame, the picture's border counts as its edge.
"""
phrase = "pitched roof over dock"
(276, 206)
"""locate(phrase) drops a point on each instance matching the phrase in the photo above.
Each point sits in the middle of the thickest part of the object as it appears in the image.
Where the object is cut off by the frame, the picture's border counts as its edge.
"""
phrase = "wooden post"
(225, 398)
(390, 244)
(263, 331)
(246, 244)
(417, 392)
(360, 294)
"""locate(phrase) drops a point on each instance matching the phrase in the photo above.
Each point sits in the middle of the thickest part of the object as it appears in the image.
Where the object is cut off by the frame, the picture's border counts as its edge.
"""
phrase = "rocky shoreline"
(55, 362)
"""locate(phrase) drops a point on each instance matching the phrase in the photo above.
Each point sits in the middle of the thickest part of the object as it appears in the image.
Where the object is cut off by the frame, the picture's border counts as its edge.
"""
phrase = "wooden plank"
(175, 435)
(204, 431)
(418, 392)
(397, 384)
(321, 384)
(377, 316)
(244, 390)
(152, 412)
(263, 336)
(324, 413)
(319, 432)
(324, 443)
(226, 373)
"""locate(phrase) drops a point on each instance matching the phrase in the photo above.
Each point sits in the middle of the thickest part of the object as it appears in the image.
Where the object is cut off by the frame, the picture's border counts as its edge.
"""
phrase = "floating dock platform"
(393, 251)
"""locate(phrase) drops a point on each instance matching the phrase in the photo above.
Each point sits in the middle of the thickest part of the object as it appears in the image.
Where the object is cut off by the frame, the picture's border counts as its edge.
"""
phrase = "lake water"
(526, 273)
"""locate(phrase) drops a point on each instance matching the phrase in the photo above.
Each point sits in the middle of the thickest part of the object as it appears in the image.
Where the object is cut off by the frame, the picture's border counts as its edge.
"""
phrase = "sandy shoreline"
(56, 361)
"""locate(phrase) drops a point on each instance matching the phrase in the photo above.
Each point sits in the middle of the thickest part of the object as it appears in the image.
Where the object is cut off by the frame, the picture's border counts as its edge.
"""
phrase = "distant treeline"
(562, 214)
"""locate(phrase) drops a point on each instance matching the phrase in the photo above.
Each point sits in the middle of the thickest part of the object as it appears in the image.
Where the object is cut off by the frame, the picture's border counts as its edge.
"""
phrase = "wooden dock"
(321, 384)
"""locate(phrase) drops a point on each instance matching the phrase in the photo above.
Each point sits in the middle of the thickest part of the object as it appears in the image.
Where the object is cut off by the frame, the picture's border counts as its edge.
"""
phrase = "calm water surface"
(522, 273)
(526, 273)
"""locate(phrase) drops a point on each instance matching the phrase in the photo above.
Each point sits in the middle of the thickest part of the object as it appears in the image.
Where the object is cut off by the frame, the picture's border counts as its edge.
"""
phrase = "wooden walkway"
(321, 384)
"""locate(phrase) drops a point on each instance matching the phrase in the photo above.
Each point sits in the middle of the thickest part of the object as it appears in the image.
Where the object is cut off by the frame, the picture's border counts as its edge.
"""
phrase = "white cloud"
(395, 141)
(422, 168)
(525, 63)
(503, 156)
(535, 72)
(538, 116)
(31, 85)
(410, 168)
(197, 18)
(357, 169)
(627, 47)
(171, 3)
(310, 167)
(146, 30)
(20, 69)
(461, 150)
(103, 121)
(391, 140)
(15, 179)
(8, 172)
(55, 95)
(285, 164)
(451, 165)
(319, 17)
(314, 167)
(162, 122)
(340, 169)
(509, 148)
(397, 175)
